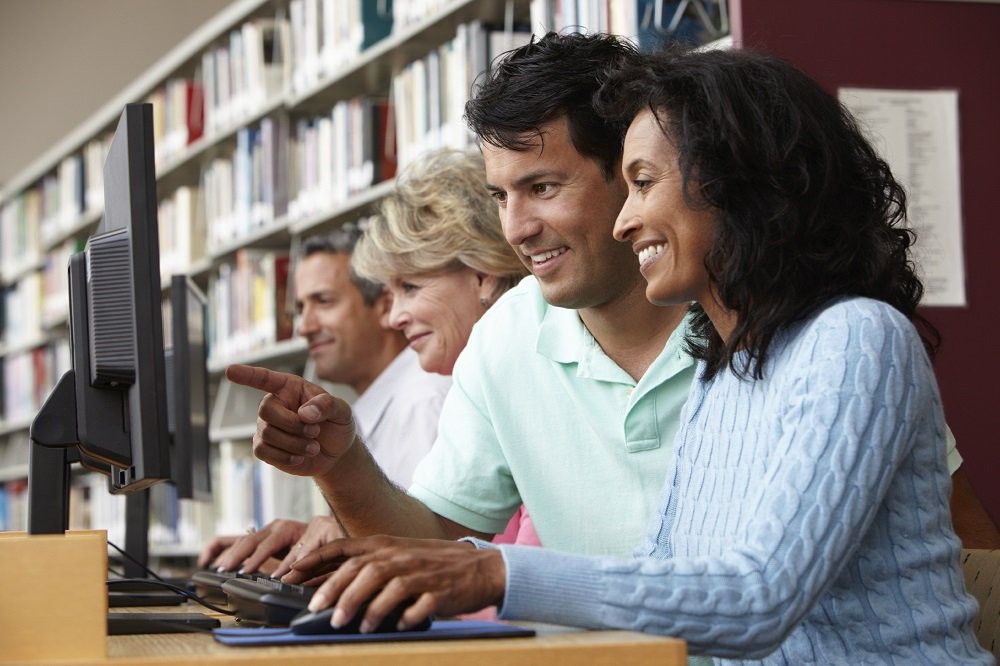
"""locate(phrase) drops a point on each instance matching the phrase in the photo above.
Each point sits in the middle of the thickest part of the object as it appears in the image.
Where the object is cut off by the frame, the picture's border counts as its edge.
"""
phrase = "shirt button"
(629, 392)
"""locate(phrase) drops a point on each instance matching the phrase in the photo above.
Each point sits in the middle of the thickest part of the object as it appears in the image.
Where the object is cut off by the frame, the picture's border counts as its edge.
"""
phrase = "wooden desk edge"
(552, 645)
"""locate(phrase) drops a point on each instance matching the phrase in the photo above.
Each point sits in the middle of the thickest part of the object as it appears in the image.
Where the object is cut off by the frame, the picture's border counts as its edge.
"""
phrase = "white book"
(399, 91)
(209, 84)
(329, 15)
(284, 495)
(541, 12)
(224, 89)
(235, 504)
(297, 35)
(311, 43)
(338, 149)
(189, 236)
(324, 191)
(237, 77)
(252, 40)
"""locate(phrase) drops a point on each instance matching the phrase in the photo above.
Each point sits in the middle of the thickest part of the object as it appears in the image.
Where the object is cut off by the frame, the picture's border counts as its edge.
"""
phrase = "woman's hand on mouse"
(445, 578)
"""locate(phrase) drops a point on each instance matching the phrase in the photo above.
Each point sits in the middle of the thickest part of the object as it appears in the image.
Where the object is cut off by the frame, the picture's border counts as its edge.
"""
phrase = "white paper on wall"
(916, 132)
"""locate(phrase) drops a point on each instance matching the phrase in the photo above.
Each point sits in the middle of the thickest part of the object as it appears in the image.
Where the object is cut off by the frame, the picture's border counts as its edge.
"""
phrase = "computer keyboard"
(260, 598)
(208, 585)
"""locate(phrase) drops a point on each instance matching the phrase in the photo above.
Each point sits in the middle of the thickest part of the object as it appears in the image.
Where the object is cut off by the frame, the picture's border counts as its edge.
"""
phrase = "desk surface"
(552, 646)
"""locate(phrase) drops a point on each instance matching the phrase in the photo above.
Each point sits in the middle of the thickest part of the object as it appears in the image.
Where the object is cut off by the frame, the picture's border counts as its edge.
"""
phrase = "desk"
(553, 646)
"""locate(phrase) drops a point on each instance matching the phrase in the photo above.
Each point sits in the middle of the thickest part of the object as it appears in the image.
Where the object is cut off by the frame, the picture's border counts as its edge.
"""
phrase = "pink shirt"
(520, 531)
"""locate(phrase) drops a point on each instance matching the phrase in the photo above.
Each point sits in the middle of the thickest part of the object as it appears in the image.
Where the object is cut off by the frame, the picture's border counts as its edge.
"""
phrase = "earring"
(483, 302)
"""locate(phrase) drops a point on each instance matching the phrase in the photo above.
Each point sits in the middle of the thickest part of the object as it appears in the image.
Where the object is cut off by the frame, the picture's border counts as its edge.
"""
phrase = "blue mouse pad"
(439, 630)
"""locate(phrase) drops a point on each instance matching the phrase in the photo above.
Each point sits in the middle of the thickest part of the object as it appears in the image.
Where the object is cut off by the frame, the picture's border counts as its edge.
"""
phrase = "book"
(248, 303)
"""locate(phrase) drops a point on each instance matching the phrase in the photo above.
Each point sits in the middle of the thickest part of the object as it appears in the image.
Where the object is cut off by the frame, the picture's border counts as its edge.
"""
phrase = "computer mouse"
(308, 623)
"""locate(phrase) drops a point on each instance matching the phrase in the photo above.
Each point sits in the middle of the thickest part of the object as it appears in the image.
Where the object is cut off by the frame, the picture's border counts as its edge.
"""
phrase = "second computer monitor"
(187, 381)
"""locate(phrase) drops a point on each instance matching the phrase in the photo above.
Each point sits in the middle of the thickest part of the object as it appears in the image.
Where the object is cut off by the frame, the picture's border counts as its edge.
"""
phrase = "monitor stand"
(53, 451)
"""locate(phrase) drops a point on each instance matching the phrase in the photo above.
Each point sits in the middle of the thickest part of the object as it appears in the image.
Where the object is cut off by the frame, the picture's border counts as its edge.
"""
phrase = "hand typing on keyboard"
(320, 531)
(286, 539)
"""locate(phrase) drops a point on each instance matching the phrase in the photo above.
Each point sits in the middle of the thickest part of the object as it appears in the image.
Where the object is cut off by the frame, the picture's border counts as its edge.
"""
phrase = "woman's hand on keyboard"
(444, 577)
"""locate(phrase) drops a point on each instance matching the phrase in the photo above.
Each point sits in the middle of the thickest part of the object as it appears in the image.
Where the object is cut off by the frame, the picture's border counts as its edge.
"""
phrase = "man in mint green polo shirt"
(568, 393)
(539, 414)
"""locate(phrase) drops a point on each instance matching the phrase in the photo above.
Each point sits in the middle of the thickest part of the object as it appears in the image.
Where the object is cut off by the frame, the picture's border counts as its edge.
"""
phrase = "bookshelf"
(259, 112)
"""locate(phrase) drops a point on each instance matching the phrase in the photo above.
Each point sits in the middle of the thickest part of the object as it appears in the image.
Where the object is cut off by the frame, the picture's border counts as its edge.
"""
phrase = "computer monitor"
(109, 412)
(187, 397)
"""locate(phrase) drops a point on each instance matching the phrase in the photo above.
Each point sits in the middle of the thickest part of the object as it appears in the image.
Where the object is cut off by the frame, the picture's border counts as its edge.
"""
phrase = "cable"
(157, 580)
(135, 561)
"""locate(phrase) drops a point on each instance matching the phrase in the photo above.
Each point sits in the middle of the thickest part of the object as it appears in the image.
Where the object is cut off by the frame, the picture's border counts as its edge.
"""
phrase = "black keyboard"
(261, 599)
(208, 585)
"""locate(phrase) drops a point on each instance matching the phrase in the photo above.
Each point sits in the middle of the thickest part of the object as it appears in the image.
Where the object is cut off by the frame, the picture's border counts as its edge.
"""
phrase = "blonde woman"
(438, 247)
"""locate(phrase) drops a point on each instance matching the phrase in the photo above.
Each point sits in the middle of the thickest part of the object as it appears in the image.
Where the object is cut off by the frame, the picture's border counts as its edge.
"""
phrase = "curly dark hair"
(806, 209)
(544, 80)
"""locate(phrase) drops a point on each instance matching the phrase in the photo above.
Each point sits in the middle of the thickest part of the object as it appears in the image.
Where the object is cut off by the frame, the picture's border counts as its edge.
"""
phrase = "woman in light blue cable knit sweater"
(805, 518)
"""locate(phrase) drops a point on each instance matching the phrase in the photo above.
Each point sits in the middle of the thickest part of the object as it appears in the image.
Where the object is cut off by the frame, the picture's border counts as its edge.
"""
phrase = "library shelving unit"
(275, 120)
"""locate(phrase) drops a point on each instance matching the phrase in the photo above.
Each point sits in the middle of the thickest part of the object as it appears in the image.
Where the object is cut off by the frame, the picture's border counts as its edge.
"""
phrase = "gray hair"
(344, 240)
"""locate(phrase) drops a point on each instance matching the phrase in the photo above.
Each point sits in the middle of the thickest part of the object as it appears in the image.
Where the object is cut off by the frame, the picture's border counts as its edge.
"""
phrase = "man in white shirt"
(345, 321)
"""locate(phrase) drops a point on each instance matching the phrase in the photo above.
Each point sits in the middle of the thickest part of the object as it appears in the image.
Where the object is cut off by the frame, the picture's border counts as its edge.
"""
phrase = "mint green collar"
(563, 338)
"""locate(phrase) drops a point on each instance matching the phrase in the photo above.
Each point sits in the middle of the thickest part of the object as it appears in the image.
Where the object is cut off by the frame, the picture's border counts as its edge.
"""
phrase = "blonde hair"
(439, 217)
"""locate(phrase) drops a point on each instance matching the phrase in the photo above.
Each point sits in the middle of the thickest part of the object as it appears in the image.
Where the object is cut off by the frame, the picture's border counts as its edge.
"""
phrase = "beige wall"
(63, 60)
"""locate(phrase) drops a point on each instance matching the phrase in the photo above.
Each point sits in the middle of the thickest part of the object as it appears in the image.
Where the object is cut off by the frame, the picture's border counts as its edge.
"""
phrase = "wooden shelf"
(278, 354)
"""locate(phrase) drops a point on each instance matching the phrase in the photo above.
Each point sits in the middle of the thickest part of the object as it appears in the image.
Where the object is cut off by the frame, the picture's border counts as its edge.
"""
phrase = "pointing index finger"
(261, 379)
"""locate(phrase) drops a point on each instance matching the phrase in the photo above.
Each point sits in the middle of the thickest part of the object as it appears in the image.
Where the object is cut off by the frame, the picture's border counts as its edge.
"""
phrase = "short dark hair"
(807, 211)
(342, 241)
(544, 80)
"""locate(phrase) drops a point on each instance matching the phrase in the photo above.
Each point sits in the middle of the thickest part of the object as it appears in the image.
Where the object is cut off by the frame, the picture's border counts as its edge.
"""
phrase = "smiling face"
(436, 312)
(345, 335)
(557, 211)
(669, 238)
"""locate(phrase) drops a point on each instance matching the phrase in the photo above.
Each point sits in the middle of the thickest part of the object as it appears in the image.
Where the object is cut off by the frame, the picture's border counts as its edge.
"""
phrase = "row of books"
(248, 303)
(178, 117)
(245, 493)
(38, 301)
(305, 167)
(28, 377)
(277, 166)
(407, 12)
(338, 155)
(251, 493)
(649, 23)
(42, 215)
(249, 310)
(235, 79)
(21, 314)
(176, 525)
(55, 283)
(247, 188)
(183, 231)
(326, 35)
(429, 94)
(248, 70)
(20, 233)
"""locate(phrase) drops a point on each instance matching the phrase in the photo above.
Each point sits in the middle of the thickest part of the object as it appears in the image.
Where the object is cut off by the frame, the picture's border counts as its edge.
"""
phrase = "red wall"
(924, 44)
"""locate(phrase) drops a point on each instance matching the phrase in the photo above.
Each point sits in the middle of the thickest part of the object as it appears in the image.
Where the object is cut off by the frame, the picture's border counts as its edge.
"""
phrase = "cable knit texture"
(805, 518)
